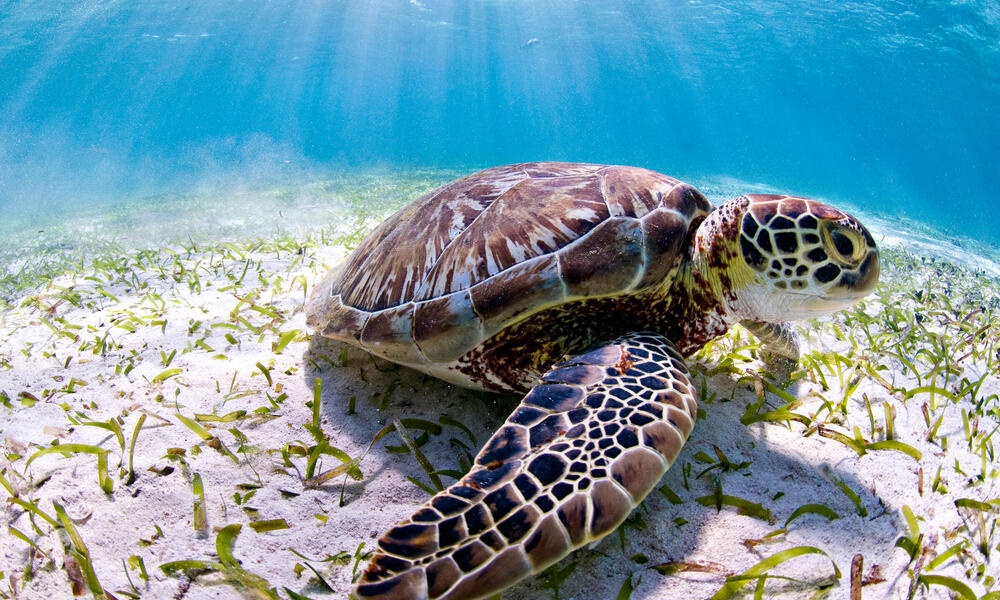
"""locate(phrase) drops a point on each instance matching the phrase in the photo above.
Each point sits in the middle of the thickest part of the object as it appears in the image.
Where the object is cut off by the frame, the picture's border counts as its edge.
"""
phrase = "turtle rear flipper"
(582, 450)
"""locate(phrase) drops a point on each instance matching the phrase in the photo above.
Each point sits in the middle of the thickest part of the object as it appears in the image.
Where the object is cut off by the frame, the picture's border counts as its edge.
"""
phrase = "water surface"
(887, 105)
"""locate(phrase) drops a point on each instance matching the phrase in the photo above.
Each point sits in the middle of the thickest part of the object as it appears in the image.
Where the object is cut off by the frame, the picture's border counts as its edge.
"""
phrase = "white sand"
(787, 470)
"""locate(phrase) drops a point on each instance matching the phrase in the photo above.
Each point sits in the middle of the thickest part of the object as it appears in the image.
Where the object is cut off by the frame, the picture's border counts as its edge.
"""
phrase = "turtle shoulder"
(470, 258)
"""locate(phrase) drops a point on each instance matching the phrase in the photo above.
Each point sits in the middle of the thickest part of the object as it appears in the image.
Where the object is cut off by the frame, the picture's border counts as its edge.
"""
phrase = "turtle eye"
(845, 244)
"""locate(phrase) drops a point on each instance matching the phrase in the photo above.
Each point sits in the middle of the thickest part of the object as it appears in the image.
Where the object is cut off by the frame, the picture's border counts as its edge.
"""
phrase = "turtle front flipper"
(779, 339)
(582, 450)
(781, 348)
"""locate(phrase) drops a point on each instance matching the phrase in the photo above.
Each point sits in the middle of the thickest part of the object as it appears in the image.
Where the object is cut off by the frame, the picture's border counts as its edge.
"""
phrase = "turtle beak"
(819, 306)
(851, 287)
(868, 273)
(858, 282)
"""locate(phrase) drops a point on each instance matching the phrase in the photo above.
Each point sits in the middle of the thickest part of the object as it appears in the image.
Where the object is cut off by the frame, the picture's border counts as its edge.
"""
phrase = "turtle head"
(792, 258)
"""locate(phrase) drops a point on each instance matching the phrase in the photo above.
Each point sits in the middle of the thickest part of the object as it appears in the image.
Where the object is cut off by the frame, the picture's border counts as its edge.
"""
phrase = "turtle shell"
(463, 262)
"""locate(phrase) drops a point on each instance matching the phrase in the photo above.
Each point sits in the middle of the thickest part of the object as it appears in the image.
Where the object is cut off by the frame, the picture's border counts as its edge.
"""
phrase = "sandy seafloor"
(195, 298)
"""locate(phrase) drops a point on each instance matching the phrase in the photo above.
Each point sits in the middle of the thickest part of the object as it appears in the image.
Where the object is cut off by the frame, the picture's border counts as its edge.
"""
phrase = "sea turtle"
(583, 287)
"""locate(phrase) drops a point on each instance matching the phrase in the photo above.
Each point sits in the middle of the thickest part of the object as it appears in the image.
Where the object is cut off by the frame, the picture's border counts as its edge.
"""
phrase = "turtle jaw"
(817, 306)
(759, 302)
(855, 281)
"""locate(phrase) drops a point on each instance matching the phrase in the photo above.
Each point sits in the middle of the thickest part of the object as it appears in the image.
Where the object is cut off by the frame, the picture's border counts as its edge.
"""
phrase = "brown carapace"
(581, 286)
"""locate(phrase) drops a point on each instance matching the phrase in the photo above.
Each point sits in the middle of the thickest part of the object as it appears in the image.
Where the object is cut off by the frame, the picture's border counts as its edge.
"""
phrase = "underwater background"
(176, 178)
(893, 107)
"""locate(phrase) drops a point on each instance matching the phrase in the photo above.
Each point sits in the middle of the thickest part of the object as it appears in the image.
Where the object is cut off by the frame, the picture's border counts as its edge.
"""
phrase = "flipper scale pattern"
(582, 449)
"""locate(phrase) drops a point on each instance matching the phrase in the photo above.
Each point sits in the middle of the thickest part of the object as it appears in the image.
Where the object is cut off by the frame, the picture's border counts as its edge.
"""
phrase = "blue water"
(889, 106)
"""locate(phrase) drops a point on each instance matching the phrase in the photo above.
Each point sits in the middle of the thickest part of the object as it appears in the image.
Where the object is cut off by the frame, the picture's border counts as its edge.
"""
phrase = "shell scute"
(447, 327)
(687, 200)
(389, 333)
(664, 232)
(466, 262)
(393, 261)
(559, 169)
(522, 288)
(344, 322)
(633, 192)
(533, 218)
(604, 262)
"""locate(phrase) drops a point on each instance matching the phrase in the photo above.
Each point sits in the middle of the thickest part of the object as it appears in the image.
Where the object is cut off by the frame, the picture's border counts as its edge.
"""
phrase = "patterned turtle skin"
(583, 287)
